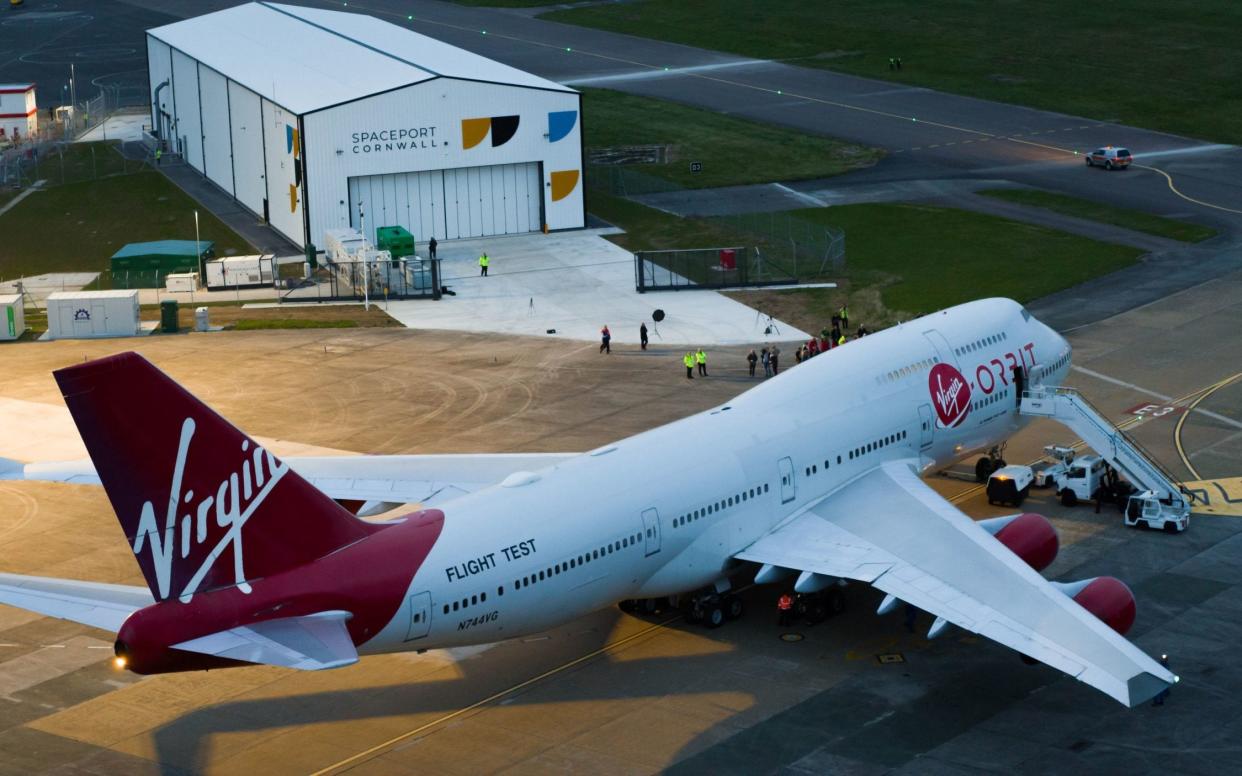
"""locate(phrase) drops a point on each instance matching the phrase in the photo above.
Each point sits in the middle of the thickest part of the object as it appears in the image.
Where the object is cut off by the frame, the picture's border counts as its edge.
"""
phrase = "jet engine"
(1108, 598)
(1029, 536)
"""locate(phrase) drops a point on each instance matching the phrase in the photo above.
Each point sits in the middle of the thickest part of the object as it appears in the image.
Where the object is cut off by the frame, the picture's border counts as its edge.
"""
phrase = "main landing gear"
(709, 607)
(989, 463)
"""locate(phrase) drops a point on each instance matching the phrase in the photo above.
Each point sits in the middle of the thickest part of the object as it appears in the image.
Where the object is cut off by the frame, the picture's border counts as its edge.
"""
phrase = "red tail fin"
(202, 505)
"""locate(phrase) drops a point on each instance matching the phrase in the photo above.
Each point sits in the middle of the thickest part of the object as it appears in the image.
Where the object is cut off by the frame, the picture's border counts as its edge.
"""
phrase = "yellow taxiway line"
(1177, 431)
(368, 754)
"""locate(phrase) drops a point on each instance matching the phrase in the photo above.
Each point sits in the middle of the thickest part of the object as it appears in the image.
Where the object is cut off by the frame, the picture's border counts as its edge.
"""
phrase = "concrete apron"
(576, 283)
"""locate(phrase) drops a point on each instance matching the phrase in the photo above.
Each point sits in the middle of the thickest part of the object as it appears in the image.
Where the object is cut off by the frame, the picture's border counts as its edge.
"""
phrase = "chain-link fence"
(684, 269)
(56, 162)
(410, 278)
(805, 249)
(626, 181)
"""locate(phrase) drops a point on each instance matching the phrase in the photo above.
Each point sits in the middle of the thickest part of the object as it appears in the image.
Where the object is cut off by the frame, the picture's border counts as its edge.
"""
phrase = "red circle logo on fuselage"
(950, 395)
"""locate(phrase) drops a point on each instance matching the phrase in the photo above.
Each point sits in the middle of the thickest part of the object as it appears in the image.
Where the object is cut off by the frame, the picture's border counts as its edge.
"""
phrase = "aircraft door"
(788, 489)
(420, 616)
(943, 350)
(926, 426)
(651, 531)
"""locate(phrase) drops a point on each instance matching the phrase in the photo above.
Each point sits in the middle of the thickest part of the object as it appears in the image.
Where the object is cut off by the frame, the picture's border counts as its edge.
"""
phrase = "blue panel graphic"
(560, 124)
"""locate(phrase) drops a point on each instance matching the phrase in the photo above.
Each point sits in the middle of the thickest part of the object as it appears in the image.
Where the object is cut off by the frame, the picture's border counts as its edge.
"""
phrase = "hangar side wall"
(247, 131)
(217, 145)
(159, 68)
(282, 148)
(426, 126)
(188, 127)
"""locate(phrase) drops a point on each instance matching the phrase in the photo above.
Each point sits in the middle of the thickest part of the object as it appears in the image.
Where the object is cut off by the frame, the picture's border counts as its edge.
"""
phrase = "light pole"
(198, 250)
(73, 93)
(366, 267)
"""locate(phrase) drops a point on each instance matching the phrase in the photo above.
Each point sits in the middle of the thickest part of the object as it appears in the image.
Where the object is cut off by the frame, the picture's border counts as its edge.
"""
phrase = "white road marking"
(1140, 389)
(1199, 149)
(880, 718)
(641, 75)
(803, 196)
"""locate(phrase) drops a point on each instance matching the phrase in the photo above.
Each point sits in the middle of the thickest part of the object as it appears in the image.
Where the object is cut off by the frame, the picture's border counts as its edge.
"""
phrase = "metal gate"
(651, 531)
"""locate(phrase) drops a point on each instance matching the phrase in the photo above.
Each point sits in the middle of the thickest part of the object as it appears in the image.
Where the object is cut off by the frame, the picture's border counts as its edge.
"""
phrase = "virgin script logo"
(950, 395)
(234, 499)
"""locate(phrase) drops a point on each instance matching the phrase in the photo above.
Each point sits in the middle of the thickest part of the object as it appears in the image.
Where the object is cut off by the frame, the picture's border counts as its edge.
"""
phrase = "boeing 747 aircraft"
(813, 475)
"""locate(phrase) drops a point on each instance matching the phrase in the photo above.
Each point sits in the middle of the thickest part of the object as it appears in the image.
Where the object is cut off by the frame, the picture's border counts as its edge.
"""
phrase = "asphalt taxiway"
(614, 693)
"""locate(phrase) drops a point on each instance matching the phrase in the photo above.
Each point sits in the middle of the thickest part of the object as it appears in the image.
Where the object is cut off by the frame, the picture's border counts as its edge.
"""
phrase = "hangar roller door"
(448, 204)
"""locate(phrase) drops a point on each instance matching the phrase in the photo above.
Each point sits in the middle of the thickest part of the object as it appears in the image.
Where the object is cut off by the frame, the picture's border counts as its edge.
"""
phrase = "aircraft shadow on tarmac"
(946, 669)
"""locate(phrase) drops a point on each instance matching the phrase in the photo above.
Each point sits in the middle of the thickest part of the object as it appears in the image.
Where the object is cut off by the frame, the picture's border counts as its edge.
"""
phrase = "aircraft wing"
(91, 603)
(378, 479)
(888, 528)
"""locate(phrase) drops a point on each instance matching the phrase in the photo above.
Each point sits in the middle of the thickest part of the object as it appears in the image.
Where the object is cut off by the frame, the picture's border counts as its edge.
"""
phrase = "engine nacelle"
(1029, 536)
(1108, 598)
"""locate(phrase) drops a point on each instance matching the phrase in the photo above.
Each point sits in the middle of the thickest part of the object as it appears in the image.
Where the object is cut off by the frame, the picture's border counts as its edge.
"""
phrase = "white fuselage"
(665, 511)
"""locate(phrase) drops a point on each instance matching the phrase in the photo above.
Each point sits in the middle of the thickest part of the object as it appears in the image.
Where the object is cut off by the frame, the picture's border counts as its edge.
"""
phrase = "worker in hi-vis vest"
(688, 360)
(483, 262)
(700, 358)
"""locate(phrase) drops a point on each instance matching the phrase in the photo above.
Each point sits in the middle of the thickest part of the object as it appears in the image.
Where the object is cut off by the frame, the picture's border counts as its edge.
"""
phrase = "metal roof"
(305, 59)
(164, 248)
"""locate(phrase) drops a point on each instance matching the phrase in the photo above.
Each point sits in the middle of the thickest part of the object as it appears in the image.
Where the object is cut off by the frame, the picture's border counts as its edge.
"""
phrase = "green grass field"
(1107, 214)
(78, 226)
(928, 258)
(732, 151)
(1149, 63)
(901, 260)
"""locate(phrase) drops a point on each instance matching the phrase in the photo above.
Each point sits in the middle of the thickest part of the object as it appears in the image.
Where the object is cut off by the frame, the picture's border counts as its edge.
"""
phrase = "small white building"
(12, 317)
(19, 118)
(84, 314)
(318, 120)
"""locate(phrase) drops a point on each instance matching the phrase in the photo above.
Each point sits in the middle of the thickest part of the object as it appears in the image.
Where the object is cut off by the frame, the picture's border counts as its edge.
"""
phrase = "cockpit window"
(1025, 315)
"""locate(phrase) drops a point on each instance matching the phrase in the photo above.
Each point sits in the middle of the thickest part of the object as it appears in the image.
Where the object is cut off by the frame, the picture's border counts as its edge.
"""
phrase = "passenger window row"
(473, 600)
(723, 503)
(910, 369)
(870, 447)
(980, 344)
(556, 569)
(985, 401)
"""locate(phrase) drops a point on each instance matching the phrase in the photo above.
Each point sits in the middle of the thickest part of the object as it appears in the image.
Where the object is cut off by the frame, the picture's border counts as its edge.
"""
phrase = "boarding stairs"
(1068, 407)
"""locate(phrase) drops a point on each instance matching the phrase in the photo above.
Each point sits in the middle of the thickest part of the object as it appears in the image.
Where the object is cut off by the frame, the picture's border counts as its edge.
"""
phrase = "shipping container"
(240, 272)
(396, 240)
(82, 314)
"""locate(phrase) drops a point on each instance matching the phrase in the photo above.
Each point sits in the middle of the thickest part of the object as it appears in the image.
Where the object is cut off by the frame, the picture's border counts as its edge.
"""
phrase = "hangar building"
(316, 120)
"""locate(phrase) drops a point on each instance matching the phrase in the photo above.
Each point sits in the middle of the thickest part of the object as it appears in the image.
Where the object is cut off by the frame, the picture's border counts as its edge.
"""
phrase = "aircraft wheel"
(835, 601)
(733, 607)
(983, 468)
(997, 464)
(1068, 498)
(715, 617)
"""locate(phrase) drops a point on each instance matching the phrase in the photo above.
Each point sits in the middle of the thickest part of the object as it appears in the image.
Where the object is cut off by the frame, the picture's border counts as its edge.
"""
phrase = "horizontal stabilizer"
(310, 643)
(89, 603)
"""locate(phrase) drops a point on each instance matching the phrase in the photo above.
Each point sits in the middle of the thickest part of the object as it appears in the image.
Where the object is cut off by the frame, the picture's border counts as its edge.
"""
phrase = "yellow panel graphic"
(293, 198)
(297, 145)
(563, 183)
(473, 131)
